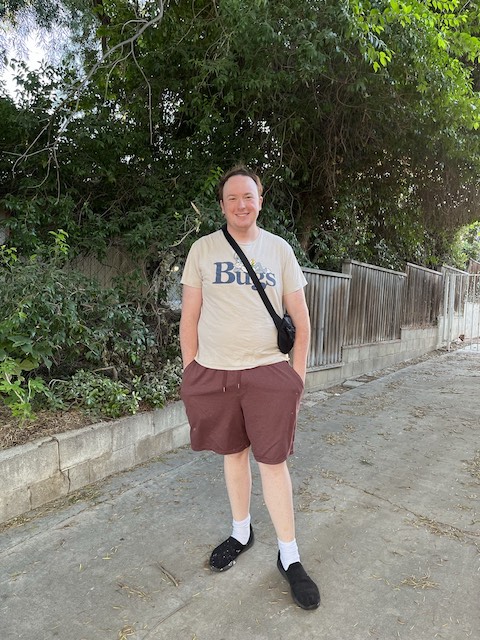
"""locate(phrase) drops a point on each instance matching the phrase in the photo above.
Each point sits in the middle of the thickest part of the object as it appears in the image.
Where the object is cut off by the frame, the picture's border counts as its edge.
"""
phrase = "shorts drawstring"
(225, 379)
(225, 373)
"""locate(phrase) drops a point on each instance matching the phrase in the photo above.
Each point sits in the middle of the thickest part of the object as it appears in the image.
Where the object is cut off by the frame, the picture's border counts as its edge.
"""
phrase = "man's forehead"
(240, 184)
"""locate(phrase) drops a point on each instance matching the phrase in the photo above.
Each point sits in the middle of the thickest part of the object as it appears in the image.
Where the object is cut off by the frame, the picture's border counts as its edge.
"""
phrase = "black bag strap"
(275, 317)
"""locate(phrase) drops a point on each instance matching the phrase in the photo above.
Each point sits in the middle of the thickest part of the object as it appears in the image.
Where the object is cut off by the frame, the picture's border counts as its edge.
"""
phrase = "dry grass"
(331, 475)
(335, 438)
(306, 499)
(126, 632)
(473, 466)
(437, 528)
(339, 438)
(133, 591)
(441, 529)
(169, 576)
(87, 494)
(424, 582)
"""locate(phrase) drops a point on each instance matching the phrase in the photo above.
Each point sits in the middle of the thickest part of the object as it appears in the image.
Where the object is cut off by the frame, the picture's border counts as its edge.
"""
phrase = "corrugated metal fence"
(461, 307)
(473, 266)
(422, 296)
(327, 295)
(455, 286)
(375, 306)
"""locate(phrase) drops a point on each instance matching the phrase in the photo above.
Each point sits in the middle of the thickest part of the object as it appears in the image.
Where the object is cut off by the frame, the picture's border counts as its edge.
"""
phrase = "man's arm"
(191, 306)
(297, 308)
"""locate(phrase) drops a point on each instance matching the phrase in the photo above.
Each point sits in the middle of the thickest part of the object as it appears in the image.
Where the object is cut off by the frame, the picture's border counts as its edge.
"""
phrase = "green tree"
(362, 117)
(467, 245)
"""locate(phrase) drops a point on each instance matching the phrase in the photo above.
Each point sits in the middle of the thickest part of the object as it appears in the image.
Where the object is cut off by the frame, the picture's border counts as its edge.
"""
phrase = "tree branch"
(76, 92)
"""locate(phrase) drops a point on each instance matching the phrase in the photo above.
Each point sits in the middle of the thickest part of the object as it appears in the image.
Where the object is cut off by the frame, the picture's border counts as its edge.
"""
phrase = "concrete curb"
(50, 468)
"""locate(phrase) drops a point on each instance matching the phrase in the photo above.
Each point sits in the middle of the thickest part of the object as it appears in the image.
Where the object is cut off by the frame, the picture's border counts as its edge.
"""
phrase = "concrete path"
(387, 484)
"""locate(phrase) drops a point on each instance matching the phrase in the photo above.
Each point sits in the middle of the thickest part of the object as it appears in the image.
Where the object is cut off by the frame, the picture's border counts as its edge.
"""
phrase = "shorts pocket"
(299, 379)
(188, 367)
(294, 376)
(187, 372)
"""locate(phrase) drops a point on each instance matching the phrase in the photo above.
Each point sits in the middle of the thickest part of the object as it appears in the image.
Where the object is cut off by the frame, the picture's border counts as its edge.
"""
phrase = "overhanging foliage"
(362, 117)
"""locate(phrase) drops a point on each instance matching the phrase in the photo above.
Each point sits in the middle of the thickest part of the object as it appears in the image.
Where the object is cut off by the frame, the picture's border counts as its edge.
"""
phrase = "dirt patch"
(46, 423)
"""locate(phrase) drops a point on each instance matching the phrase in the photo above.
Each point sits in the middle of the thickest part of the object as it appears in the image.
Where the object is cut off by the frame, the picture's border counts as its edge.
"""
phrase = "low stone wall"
(358, 360)
(33, 474)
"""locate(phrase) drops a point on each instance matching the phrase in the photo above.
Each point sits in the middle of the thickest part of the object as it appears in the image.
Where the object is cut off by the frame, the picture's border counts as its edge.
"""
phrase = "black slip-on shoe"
(225, 555)
(305, 592)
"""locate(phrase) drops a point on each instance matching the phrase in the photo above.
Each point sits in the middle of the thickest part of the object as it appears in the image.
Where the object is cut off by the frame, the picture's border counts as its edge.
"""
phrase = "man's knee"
(238, 457)
(278, 469)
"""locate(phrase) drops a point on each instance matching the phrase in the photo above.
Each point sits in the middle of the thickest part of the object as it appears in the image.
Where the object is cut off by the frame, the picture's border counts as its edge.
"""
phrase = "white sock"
(288, 553)
(241, 530)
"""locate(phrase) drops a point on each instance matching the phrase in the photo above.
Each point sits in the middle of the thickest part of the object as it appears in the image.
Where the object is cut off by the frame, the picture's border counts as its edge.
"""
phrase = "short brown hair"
(239, 170)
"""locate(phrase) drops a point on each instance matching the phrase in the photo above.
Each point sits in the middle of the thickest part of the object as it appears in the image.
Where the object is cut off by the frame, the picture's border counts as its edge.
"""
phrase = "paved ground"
(387, 482)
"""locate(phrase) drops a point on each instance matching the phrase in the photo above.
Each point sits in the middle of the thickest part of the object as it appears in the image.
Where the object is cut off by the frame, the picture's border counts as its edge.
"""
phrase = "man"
(239, 390)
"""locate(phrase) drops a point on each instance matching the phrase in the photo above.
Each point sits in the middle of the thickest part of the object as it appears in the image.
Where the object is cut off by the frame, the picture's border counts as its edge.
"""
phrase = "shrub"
(97, 394)
(94, 347)
(17, 392)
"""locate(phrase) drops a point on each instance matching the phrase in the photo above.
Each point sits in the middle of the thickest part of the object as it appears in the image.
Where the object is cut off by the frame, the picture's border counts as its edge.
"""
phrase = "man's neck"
(244, 236)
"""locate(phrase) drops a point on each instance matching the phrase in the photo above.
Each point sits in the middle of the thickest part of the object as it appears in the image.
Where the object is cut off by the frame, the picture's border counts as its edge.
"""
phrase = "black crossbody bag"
(285, 326)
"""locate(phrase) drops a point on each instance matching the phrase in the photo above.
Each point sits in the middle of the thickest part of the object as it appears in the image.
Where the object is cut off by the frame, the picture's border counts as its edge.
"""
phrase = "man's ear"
(221, 207)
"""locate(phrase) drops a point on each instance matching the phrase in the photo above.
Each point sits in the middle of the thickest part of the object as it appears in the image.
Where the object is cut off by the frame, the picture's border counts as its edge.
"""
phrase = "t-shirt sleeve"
(293, 278)
(192, 276)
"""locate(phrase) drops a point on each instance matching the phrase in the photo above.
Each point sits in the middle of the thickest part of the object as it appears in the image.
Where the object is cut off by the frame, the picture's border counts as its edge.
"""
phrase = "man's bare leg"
(277, 493)
(238, 479)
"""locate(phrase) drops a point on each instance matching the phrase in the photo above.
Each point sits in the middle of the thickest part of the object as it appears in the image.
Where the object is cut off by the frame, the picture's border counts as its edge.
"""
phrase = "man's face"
(241, 202)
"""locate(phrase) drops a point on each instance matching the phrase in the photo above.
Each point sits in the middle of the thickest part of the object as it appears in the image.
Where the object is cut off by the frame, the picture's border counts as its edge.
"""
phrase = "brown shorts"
(230, 410)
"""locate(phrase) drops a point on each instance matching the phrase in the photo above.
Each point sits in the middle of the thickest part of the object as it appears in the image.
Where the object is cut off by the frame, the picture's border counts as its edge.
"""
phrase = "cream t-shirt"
(235, 330)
